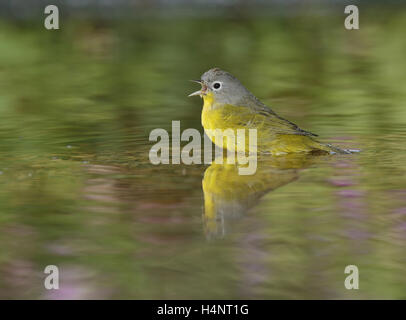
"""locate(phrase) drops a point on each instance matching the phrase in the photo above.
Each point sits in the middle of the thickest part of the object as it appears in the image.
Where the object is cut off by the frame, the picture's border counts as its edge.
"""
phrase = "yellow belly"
(228, 117)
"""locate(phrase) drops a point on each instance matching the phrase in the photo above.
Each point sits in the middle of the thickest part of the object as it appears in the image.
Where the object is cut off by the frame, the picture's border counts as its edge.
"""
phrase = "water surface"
(77, 189)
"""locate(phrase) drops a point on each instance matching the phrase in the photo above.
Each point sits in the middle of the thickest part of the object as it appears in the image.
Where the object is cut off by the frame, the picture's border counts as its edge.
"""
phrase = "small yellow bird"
(229, 105)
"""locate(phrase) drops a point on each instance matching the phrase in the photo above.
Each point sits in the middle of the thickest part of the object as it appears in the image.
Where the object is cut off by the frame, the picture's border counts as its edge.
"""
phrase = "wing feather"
(260, 113)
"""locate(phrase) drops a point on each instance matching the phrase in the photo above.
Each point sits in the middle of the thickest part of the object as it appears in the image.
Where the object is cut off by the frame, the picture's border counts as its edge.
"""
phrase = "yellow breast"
(223, 117)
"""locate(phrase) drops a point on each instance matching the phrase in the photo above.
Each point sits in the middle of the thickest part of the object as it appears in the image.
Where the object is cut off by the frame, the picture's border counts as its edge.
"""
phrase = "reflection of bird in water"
(229, 196)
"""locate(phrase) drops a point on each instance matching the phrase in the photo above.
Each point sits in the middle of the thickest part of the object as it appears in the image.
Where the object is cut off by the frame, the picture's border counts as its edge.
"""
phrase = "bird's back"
(275, 134)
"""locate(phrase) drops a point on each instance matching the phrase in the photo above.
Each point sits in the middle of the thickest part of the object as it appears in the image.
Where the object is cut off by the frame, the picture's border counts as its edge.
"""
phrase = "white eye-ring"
(217, 85)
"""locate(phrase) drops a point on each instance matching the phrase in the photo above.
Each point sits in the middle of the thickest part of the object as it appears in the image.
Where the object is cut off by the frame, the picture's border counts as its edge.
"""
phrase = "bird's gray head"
(225, 88)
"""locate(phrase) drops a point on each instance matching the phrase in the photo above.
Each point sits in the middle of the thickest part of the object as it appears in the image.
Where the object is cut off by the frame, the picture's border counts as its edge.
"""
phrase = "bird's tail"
(334, 149)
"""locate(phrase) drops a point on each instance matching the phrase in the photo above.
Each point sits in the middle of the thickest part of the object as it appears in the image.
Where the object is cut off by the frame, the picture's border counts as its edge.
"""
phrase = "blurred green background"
(77, 189)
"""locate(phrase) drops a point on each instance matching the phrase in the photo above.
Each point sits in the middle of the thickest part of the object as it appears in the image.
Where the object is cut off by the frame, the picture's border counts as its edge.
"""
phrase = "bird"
(229, 105)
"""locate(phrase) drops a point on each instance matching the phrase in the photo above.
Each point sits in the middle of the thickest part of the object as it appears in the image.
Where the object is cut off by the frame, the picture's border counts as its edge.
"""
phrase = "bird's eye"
(217, 85)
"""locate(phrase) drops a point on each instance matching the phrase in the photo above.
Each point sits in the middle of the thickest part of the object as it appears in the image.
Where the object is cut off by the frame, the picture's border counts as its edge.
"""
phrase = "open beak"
(200, 92)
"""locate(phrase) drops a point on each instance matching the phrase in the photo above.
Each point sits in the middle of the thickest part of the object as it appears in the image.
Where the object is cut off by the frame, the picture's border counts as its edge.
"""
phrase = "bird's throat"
(208, 101)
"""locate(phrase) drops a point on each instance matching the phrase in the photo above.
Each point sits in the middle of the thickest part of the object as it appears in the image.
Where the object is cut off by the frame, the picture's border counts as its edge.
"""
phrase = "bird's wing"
(258, 113)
